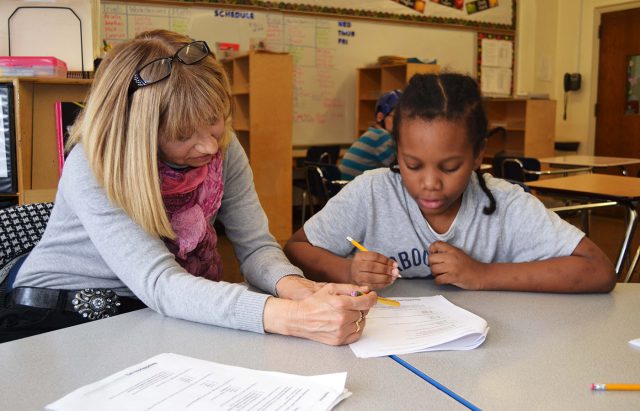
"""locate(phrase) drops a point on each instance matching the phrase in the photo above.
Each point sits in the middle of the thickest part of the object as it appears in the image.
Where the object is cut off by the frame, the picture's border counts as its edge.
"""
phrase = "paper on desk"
(175, 382)
(419, 324)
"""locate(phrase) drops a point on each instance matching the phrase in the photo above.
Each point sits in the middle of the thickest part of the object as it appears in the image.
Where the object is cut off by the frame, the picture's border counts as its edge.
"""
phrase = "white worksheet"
(419, 324)
(175, 382)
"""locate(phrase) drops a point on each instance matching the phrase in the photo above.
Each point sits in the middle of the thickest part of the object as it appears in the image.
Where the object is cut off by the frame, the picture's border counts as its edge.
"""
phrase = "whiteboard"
(327, 51)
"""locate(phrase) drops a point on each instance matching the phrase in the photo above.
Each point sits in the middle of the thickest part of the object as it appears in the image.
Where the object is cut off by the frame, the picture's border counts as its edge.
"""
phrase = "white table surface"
(543, 351)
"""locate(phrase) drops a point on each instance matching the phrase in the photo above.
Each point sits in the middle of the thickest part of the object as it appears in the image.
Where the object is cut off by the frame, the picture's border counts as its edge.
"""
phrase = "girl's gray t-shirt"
(376, 210)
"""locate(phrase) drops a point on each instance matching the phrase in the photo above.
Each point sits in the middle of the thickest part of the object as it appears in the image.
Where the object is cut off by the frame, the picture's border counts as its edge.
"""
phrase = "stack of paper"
(175, 382)
(419, 324)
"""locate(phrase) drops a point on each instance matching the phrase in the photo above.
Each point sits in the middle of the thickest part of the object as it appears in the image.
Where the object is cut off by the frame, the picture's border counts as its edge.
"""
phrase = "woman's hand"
(331, 315)
(450, 265)
(373, 270)
(295, 287)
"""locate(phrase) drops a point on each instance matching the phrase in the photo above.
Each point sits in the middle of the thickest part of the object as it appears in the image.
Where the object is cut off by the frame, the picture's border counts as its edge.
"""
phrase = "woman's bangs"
(192, 103)
(194, 100)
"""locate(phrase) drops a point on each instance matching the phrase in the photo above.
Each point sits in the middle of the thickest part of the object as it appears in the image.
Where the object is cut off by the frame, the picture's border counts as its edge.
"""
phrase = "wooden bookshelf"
(530, 126)
(377, 80)
(35, 130)
(262, 88)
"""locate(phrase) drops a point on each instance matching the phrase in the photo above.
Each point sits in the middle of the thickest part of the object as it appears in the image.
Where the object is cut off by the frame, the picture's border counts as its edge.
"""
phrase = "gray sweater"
(90, 243)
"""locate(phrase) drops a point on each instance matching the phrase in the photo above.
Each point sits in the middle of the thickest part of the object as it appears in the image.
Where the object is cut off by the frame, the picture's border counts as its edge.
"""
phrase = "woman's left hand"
(450, 265)
(295, 287)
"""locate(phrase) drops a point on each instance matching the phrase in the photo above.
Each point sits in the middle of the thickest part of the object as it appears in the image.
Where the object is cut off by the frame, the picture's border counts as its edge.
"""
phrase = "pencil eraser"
(635, 343)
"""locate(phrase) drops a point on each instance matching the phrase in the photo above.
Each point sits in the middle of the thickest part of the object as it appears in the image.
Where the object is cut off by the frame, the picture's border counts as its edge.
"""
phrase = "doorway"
(617, 114)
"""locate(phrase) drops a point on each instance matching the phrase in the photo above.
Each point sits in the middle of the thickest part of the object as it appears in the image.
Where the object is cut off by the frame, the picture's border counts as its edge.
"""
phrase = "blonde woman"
(154, 162)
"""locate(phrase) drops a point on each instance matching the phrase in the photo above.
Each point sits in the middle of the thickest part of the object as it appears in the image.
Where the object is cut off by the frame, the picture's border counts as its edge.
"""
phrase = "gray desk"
(543, 351)
(577, 160)
(598, 187)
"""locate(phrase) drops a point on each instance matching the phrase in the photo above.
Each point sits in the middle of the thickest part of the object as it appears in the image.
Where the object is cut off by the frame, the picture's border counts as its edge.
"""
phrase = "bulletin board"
(495, 64)
(327, 50)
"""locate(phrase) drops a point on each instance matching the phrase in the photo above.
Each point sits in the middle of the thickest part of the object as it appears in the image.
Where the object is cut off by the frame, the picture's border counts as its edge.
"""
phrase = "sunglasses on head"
(159, 69)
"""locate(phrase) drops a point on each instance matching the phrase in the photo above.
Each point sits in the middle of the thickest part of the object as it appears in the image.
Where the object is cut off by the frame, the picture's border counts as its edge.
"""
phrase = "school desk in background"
(66, 114)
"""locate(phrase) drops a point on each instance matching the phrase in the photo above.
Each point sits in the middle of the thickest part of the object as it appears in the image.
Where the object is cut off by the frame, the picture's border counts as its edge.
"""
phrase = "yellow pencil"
(356, 244)
(389, 301)
(615, 387)
(381, 300)
(361, 248)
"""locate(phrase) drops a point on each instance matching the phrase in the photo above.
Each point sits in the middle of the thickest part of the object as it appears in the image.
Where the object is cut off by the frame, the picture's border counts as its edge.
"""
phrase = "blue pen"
(434, 383)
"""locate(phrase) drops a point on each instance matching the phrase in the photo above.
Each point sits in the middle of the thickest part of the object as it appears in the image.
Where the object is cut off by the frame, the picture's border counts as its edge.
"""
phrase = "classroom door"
(617, 114)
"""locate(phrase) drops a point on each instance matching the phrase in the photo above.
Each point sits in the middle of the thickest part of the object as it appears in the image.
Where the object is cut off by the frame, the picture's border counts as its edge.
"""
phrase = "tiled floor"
(606, 232)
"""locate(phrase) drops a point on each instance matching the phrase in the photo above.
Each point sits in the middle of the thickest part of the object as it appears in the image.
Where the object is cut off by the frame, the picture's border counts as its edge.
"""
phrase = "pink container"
(12, 66)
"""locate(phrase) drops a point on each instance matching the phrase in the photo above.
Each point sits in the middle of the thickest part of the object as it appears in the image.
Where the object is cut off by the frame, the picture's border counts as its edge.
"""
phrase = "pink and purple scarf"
(191, 198)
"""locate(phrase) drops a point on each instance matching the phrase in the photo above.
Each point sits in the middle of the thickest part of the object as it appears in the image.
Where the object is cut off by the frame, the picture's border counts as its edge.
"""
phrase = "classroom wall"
(325, 59)
(53, 32)
(544, 78)
(555, 37)
(564, 35)
(585, 122)
(536, 47)
(524, 52)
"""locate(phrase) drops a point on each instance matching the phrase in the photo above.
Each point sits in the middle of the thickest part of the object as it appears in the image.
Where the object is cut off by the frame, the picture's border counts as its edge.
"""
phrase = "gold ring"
(358, 326)
(361, 316)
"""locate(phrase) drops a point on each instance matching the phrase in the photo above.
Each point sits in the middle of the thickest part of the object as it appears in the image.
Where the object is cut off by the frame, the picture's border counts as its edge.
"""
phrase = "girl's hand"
(331, 315)
(450, 265)
(373, 270)
(295, 287)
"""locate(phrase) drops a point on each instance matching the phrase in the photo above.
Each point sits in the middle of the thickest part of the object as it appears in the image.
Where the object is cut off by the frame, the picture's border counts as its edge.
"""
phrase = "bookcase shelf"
(262, 88)
(375, 81)
(35, 129)
(530, 126)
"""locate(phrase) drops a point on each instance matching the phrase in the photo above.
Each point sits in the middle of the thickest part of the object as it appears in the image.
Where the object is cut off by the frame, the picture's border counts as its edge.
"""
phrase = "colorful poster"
(480, 5)
(456, 4)
(417, 5)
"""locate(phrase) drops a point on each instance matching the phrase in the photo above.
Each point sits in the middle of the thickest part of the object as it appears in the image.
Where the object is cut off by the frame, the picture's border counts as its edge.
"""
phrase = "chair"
(520, 170)
(323, 154)
(21, 228)
(323, 182)
(525, 169)
(315, 154)
(498, 131)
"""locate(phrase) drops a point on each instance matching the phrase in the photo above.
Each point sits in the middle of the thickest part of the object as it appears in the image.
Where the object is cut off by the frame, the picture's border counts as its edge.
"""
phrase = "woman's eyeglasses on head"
(159, 69)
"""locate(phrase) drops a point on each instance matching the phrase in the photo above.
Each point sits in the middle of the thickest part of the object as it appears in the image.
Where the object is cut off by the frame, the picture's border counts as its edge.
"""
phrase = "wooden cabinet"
(374, 81)
(35, 130)
(262, 88)
(530, 126)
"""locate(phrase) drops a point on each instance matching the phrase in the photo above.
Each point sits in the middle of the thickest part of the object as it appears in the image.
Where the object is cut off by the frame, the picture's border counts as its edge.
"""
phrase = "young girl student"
(434, 214)
(154, 163)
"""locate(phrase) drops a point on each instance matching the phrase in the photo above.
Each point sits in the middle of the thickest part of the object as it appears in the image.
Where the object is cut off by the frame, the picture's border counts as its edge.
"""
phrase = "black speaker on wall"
(8, 173)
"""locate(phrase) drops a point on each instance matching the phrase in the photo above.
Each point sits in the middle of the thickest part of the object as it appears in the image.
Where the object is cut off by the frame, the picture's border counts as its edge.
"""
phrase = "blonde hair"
(120, 133)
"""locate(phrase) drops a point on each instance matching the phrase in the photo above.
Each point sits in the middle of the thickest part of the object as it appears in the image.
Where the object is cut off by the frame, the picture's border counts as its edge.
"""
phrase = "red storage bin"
(29, 66)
